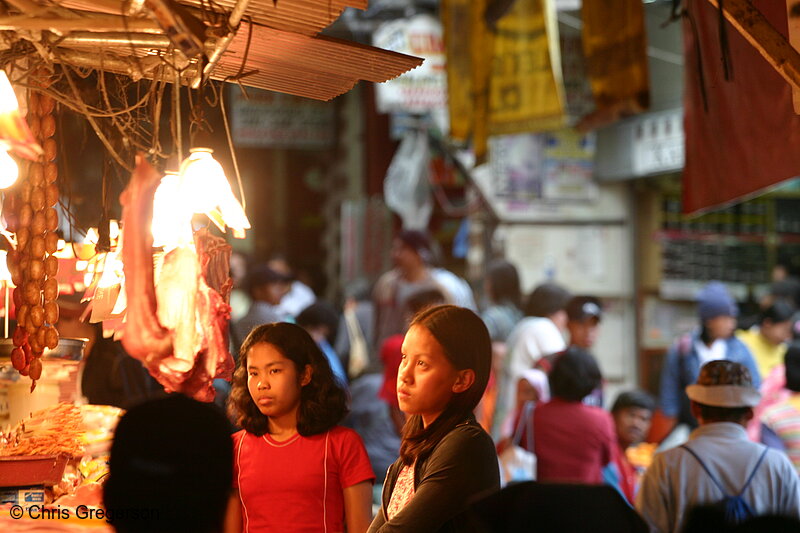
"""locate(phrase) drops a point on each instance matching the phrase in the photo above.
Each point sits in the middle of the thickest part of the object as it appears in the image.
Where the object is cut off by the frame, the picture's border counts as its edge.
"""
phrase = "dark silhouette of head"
(170, 468)
(575, 374)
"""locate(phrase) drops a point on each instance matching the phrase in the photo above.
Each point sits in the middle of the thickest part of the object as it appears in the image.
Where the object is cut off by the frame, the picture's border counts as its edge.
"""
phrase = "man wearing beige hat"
(719, 461)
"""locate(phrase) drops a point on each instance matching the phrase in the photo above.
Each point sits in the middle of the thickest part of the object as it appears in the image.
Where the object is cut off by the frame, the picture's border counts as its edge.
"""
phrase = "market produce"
(52, 431)
(29, 212)
(179, 330)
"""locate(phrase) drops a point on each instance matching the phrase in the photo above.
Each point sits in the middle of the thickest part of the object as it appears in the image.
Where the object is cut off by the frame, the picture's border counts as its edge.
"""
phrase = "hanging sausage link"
(30, 212)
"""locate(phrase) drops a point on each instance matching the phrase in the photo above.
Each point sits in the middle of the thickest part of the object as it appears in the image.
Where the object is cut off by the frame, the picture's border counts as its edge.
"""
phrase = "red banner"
(749, 137)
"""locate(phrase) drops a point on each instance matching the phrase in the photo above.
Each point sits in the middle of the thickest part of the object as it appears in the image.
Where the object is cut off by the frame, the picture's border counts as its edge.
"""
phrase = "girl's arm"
(358, 507)
(233, 516)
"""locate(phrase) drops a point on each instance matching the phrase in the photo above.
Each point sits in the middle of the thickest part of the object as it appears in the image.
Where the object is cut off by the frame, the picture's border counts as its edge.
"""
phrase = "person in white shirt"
(537, 335)
(719, 460)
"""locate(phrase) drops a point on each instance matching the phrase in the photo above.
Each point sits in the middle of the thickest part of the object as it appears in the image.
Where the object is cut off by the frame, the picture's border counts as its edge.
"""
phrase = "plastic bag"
(406, 186)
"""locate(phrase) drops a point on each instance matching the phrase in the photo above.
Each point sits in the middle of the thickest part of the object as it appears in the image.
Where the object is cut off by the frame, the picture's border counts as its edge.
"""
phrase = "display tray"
(69, 349)
(29, 470)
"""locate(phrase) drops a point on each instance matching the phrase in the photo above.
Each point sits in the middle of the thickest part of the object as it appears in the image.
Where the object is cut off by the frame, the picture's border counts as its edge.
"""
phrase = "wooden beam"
(769, 42)
(793, 17)
(101, 23)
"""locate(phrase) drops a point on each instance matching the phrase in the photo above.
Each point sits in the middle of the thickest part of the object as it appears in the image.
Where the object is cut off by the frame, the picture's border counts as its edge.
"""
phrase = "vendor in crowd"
(446, 459)
(714, 339)
(293, 465)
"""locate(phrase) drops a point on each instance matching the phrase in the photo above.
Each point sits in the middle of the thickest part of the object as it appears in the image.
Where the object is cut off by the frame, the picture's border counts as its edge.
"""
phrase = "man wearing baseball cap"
(584, 314)
(718, 461)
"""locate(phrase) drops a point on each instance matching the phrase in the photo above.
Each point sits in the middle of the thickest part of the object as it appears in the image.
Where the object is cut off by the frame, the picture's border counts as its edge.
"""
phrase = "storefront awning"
(743, 135)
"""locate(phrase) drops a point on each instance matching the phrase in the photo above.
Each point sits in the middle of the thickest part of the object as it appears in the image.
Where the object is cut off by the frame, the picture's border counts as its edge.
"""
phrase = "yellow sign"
(526, 86)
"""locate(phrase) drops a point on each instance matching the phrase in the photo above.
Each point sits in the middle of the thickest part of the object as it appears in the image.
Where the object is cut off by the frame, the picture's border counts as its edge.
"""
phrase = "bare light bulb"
(201, 178)
(172, 219)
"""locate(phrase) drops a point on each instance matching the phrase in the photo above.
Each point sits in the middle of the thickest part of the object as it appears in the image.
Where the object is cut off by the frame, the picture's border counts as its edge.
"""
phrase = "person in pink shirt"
(573, 442)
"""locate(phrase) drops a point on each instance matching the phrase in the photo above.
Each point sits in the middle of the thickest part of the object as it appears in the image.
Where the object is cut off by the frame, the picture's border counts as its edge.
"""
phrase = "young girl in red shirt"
(446, 459)
(295, 470)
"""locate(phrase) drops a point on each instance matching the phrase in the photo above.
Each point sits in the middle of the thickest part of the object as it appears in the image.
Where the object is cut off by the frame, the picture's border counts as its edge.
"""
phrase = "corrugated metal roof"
(308, 17)
(321, 66)
(287, 55)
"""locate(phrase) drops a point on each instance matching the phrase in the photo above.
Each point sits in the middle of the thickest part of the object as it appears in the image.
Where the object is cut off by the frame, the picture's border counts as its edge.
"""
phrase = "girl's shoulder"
(467, 437)
(238, 436)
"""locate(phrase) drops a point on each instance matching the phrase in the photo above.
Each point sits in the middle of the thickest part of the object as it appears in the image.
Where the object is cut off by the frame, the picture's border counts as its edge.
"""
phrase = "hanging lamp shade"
(204, 188)
(202, 180)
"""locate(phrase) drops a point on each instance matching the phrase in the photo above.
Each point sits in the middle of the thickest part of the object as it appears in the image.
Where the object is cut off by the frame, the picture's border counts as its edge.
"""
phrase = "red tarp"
(749, 138)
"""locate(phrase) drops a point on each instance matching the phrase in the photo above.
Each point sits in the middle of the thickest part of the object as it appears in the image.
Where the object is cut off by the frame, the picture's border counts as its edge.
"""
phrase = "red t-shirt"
(391, 354)
(297, 485)
(572, 442)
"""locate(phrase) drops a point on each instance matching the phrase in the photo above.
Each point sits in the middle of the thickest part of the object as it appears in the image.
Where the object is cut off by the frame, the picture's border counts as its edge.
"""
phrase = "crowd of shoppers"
(408, 435)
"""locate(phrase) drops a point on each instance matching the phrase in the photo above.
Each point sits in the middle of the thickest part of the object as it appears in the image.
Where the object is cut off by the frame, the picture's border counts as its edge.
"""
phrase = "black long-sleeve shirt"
(462, 468)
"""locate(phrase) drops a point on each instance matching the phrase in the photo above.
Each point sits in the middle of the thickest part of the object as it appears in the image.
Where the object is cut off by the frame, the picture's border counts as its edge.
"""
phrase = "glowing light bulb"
(172, 218)
(201, 180)
(9, 170)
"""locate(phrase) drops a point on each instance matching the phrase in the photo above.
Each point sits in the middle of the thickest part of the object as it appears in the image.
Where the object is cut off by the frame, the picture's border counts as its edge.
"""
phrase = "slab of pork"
(178, 328)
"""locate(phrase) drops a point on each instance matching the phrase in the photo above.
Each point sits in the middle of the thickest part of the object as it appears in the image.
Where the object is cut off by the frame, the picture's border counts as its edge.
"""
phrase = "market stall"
(159, 280)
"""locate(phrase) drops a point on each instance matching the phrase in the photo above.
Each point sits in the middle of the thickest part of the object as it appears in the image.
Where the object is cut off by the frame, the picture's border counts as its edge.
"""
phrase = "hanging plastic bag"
(516, 463)
(359, 355)
(406, 186)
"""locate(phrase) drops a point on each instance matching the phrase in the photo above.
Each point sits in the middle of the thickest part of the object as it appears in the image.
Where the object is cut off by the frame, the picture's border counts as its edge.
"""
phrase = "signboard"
(526, 83)
(658, 143)
(424, 89)
(554, 166)
(275, 120)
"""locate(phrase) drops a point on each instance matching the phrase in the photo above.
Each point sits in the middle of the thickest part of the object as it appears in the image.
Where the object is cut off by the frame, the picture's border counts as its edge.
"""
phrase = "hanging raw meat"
(178, 326)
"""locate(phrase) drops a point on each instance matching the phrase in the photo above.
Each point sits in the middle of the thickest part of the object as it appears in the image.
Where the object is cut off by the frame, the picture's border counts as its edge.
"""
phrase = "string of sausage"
(31, 215)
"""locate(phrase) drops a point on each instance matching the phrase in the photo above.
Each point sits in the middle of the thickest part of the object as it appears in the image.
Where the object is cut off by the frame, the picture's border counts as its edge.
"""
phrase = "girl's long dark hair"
(323, 403)
(466, 344)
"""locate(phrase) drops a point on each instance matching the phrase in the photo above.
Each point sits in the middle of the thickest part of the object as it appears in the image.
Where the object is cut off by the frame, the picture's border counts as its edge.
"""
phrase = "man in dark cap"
(584, 314)
(719, 461)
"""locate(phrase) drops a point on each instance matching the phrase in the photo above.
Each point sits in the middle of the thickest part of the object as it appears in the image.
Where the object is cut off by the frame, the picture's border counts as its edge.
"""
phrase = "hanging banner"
(749, 137)
(468, 72)
(276, 120)
(424, 89)
(469, 48)
(615, 47)
(526, 84)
